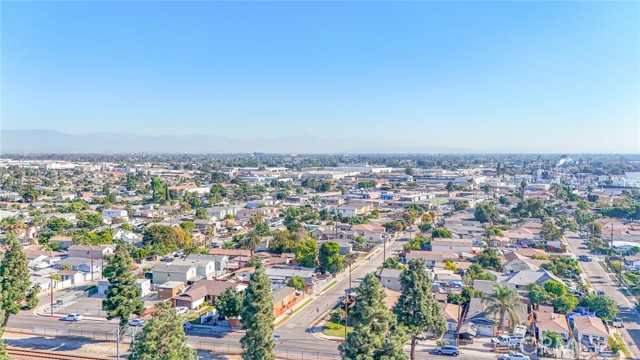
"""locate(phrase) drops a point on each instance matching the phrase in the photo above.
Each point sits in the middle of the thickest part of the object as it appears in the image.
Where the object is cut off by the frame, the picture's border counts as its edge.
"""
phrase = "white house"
(456, 246)
(390, 278)
(112, 213)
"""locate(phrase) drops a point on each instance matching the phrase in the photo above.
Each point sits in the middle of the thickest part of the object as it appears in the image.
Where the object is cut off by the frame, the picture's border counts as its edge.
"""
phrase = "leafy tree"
(123, 296)
(562, 266)
(306, 252)
(14, 279)
(552, 340)
(201, 214)
(159, 191)
(250, 241)
(32, 296)
(442, 233)
(489, 259)
(450, 187)
(188, 226)
(504, 301)
(162, 337)
(538, 295)
(449, 265)
(283, 242)
(485, 212)
(392, 263)
(58, 225)
(565, 304)
(229, 303)
(329, 257)
(604, 306)
(416, 309)
(92, 220)
(257, 319)
(371, 322)
(461, 205)
(550, 231)
(298, 283)
(555, 288)
(262, 229)
(476, 272)
(417, 243)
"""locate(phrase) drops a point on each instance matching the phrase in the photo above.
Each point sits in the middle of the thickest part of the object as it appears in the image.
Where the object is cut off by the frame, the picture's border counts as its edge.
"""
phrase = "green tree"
(250, 241)
(461, 205)
(201, 214)
(57, 225)
(562, 266)
(14, 279)
(392, 263)
(298, 283)
(162, 337)
(538, 295)
(32, 296)
(123, 296)
(489, 259)
(257, 319)
(188, 226)
(159, 191)
(329, 257)
(306, 252)
(604, 306)
(552, 340)
(229, 303)
(442, 233)
(565, 304)
(550, 231)
(416, 309)
(371, 322)
(504, 301)
(555, 288)
(485, 212)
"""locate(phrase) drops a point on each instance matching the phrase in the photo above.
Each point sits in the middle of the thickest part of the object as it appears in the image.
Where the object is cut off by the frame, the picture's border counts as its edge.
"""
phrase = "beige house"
(590, 330)
(456, 246)
(548, 321)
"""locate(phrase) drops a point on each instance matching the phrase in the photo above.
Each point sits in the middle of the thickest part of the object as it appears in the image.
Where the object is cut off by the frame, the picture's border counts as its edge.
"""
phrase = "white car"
(72, 317)
(515, 356)
(181, 310)
(136, 322)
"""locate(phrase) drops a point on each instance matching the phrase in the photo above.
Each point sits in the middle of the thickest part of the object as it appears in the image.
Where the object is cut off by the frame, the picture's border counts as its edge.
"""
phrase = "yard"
(335, 330)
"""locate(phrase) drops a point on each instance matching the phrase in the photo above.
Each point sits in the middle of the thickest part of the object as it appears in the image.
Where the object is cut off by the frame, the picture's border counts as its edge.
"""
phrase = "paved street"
(600, 280)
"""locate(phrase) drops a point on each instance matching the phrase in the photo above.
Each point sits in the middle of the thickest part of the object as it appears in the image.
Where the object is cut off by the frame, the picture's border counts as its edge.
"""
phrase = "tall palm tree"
(504, 301)
(250, 241)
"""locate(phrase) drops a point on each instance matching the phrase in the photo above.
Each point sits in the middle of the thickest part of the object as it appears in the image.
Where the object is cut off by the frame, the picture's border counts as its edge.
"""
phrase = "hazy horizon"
(535, 76)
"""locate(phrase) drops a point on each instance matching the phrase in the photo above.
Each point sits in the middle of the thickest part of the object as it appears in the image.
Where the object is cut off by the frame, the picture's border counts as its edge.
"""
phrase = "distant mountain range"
(51, 141)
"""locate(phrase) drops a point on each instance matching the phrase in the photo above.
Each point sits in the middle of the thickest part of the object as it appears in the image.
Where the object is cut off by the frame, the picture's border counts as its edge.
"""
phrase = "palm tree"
(504, 301)
(250, 241)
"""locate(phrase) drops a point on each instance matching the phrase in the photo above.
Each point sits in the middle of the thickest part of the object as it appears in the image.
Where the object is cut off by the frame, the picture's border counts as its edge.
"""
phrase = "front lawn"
(335, 330)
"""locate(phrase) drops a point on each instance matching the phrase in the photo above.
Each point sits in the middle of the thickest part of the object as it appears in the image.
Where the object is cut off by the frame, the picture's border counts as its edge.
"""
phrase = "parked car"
(187, 326)
(585, 258)
(448, 350)
(601, 293)
(136, 322)
(508, 340)
(181, 310)
(515, 356)
(72, 317)
(617, 323)
(167, 259)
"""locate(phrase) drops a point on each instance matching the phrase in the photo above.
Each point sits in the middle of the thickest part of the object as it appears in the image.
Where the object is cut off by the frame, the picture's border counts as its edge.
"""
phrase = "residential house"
(284, 299)
(64, 241)
(112, 213)
(169, 272)
(430, 257)
(456, 246)
(548, 321)
(170, 289)
(521, 280)
(281, 275)
(95, 252)
(390, 278)
(79, 264)
(203, 291)
(590, 330)
(452, 312)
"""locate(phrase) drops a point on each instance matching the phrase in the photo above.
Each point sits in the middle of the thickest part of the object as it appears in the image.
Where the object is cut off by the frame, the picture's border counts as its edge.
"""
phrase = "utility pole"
(118, 342)
(91, 256)
(51, 295)
(384, 249)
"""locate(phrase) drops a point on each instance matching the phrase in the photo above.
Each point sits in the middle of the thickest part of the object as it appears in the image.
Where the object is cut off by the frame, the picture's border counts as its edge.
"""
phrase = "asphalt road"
(600, 280)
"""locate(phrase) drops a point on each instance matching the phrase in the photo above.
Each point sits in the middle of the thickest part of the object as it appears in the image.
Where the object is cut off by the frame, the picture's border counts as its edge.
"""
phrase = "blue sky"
(545, 76)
